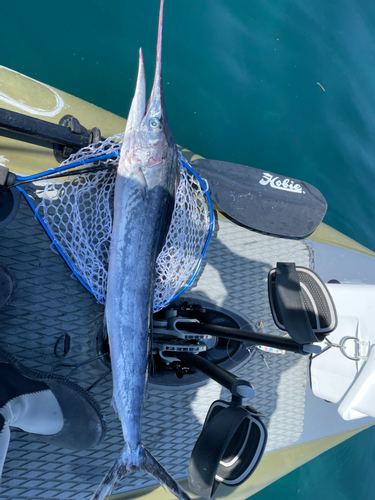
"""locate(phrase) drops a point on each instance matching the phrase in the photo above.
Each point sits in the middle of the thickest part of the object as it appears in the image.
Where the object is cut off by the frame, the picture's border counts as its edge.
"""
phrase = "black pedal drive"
(229, 448)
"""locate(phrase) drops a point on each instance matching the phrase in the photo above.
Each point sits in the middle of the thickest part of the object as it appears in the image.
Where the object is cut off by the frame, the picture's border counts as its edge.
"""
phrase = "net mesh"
(78, 209)
(92, 152)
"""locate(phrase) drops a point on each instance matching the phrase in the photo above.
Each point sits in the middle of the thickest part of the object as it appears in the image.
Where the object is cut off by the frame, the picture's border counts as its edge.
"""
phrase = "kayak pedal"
(229, 448)
(300, 303)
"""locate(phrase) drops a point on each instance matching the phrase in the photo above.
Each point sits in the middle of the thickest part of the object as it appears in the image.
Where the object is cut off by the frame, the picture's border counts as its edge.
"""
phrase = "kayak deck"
(48, 303)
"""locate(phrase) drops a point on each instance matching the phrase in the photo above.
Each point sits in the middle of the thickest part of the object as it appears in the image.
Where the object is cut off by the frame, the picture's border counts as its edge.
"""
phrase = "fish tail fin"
(140, 458)
(110, 480)
(153, 467)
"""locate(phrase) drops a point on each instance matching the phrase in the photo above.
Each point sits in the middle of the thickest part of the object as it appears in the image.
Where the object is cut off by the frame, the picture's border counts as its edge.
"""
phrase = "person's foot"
(59, 411)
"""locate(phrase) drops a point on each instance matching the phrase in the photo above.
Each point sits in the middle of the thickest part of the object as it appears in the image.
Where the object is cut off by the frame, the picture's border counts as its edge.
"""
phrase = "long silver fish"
(144, 199)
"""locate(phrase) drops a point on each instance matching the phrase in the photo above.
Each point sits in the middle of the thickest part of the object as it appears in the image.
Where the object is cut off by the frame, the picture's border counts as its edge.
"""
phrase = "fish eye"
(154, 122)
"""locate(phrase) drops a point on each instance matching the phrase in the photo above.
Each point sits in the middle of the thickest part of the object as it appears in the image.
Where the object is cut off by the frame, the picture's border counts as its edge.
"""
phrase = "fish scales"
(136, 243)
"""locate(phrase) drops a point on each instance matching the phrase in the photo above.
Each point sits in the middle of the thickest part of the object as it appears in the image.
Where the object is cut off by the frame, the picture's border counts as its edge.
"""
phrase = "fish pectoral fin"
(139, 178)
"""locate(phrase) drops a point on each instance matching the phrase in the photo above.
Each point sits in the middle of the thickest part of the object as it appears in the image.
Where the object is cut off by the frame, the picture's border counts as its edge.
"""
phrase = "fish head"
(148, 140)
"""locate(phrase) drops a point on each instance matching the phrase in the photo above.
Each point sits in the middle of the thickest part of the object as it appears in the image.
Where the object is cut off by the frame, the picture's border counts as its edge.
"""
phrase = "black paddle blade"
(263, 201)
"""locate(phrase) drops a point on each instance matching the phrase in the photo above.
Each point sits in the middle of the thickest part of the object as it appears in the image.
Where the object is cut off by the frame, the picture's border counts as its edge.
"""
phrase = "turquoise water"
(288, 86)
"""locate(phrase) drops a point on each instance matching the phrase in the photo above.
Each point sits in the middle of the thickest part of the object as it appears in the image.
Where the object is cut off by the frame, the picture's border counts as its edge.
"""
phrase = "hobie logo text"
(277, 183)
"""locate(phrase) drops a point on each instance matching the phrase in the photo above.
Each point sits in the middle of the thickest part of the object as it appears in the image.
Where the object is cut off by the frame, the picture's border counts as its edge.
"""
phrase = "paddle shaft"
(41, 129)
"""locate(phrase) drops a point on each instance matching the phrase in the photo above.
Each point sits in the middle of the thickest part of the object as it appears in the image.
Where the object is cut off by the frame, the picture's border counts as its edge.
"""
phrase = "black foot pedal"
(300, 303)
(229, 448)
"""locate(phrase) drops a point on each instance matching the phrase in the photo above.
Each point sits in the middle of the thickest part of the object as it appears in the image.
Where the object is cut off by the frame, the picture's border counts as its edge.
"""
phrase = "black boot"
(72, 417)
(8, 284)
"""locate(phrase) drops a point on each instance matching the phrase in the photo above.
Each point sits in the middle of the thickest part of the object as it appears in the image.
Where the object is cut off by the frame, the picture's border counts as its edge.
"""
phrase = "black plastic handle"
(238, 387)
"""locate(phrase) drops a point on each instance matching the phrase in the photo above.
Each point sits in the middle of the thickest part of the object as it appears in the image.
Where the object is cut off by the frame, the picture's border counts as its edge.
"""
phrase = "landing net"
(77, 211)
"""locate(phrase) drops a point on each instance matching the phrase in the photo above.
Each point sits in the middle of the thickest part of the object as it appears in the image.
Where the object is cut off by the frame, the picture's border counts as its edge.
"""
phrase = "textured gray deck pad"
(48, 303)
